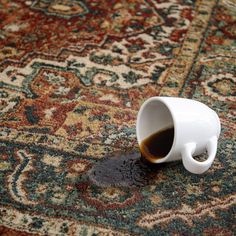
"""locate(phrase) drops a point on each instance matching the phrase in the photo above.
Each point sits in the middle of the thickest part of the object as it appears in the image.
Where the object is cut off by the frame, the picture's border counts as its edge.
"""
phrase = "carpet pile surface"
(73, 75)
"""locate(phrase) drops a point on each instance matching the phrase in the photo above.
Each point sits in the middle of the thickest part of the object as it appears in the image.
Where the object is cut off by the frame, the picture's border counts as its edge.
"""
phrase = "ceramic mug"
(196, 129)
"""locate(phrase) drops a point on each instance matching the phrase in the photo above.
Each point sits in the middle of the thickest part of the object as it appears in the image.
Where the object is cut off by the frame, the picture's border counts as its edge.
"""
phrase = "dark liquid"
(157, 145)
(124, 170)
(131, 170)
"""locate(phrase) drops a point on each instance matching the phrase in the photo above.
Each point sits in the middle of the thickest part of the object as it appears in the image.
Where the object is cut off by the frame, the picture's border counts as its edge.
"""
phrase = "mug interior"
(153, 116)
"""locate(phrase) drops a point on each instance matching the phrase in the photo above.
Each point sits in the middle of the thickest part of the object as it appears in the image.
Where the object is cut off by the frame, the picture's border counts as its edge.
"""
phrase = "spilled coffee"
(157, 145)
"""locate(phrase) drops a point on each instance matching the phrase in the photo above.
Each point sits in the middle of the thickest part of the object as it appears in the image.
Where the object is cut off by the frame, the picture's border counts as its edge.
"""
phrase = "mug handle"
(198, 167)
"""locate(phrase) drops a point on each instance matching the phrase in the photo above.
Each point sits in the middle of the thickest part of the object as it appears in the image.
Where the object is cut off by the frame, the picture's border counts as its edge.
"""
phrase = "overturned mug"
(196, 128)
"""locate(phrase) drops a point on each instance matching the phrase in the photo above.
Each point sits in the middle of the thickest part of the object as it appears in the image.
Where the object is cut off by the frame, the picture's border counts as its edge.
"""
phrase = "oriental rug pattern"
(73, 75)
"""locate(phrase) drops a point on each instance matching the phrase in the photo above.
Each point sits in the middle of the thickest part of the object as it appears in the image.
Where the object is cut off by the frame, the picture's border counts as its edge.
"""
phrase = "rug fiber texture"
(73, 75)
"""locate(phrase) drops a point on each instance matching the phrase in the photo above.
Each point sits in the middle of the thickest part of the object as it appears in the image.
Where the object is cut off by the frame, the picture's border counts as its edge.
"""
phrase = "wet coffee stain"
(127, 170)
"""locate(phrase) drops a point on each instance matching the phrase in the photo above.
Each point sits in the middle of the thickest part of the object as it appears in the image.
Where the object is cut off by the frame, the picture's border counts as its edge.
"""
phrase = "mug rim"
(162, 100)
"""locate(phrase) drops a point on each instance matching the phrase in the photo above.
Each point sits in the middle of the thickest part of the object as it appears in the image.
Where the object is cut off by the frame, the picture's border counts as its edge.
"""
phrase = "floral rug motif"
(73, 75)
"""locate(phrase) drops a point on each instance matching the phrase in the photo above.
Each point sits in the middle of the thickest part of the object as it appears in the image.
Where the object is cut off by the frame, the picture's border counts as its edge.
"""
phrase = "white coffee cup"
(196, 129)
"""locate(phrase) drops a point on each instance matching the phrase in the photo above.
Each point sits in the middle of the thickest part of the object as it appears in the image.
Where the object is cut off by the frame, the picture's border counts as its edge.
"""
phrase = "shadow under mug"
(196, 129)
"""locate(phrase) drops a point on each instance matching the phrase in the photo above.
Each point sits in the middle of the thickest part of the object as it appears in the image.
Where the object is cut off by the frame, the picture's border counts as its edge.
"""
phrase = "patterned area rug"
(73, 75)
